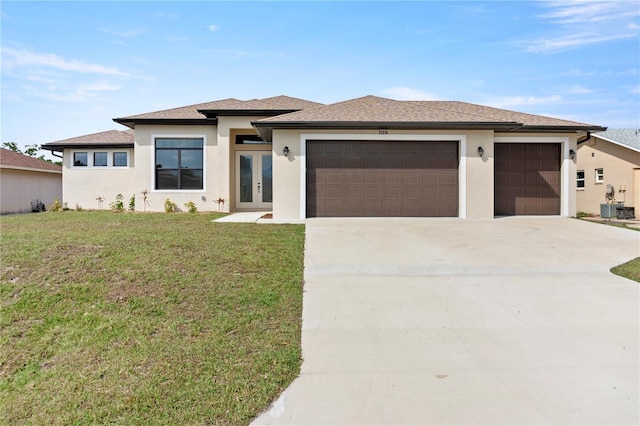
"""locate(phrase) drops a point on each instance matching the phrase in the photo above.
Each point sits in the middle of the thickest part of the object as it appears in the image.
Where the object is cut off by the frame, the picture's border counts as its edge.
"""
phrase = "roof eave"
(131, 122)
(30, 169)
(213, 113)
(61, 147)
(547, 129)
(387, 125)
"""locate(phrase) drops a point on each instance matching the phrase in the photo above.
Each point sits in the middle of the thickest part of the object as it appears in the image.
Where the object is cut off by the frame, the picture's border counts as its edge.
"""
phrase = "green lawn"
(150, 318)
(629, 270)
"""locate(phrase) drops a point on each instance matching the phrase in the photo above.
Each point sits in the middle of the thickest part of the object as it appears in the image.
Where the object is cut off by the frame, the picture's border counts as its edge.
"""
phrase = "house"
(25, 180)
(610, 158)
(368, 156)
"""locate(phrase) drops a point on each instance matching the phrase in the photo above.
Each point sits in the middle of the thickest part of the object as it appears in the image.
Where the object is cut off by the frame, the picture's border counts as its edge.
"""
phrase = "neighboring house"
(609, 158)
(25, 180)
(368, 156)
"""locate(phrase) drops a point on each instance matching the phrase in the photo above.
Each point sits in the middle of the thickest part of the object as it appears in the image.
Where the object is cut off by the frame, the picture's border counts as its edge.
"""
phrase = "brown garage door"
(527, 179)
(375, 178)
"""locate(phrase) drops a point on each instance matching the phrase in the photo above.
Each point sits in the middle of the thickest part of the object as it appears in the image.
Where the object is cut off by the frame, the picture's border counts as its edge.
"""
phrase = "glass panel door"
(254, 183)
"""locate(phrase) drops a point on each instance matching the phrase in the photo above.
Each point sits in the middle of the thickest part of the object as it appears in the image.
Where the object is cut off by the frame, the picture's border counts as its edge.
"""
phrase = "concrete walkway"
(506, 321)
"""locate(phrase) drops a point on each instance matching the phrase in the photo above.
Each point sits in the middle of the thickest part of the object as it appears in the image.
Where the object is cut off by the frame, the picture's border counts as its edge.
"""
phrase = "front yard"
(146, 318)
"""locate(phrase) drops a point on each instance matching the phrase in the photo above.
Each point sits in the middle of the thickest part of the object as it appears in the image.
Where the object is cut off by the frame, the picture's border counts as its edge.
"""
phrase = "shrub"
(118, 205)
(170, 206)
(56, 206)
(191, 207)
(132, 203)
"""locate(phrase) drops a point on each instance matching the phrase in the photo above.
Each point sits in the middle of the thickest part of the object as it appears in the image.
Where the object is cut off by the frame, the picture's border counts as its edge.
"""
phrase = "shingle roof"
(110, 137)
(193, 112)
(370, 109)
(15, 160)
(188, 112)
(627, 137)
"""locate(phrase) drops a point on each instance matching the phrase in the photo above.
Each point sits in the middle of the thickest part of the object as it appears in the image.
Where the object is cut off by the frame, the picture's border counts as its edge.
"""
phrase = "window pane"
(246, 178)
(100, 159)
(178, 143)
(191, 179)
(581, 184)
(267, 191)
(79, 158)
(191, 159)
(120, 159)
(166, 159)
(580, 174)
(166, 179)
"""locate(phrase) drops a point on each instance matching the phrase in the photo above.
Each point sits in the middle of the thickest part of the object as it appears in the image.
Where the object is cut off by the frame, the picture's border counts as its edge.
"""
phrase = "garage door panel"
(527, 179)
(383, 178)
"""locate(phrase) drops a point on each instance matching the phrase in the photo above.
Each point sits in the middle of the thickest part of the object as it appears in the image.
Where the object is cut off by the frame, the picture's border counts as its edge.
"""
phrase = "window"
(179, 163)
(80, 159)
(100, 159)
(599, 175)
(120, 159)
(250, 140)
(580, 180)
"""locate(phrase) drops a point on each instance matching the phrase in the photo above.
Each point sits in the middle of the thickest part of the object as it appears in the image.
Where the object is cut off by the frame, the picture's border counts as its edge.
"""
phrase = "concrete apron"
(506, 321)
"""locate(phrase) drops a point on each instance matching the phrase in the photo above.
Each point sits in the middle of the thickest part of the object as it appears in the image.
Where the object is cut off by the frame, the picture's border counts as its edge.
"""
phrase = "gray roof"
(626, 137)
(196, 111)
(375, 112)
(108, 138)
(376, 109)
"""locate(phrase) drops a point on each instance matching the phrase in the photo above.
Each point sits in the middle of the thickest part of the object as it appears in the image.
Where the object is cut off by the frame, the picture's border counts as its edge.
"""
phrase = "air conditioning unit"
(610, 211)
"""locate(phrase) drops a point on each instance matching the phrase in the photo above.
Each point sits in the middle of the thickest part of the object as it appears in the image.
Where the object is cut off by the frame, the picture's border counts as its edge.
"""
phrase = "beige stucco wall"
(219, 164)
(476, 185)
(18, 188)
(618, 163)
(81, 186)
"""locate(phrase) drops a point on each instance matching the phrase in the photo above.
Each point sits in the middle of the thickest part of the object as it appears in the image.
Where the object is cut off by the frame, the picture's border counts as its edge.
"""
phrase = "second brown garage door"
(527, 179)
(375, 178)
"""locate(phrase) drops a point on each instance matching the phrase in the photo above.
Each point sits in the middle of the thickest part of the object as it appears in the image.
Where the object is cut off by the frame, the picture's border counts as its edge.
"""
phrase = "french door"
(254, 188)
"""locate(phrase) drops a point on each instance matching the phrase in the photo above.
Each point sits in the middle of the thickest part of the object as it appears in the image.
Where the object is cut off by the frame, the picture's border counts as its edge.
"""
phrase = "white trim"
(595, 135)
(462, 164)
(90, 158)
(564, 141)
(153, 164)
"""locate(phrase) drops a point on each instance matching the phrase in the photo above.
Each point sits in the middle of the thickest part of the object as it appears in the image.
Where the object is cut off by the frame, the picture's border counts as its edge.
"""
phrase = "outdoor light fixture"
(203, 198)
(480, 151)
(285, 151)
(572, 154)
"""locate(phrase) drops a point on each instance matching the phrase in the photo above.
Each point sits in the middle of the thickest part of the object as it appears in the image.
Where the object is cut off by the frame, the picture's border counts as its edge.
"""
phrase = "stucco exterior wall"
(477, 174)
(144, 176)
(18, 188)
(81, 186)
(618, 163)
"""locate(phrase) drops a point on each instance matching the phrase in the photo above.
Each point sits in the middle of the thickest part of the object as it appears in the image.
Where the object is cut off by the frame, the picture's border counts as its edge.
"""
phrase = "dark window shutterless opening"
(179, 163)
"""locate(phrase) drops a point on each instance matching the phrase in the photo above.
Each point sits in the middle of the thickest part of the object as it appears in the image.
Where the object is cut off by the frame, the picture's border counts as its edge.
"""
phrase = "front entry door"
(253, 180)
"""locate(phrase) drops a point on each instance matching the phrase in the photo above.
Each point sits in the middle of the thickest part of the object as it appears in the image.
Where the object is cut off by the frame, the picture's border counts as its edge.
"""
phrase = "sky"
(69, 68)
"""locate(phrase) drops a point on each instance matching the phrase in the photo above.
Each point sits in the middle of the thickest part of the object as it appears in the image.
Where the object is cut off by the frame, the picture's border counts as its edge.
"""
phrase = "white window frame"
(90, 158)
(93, 158)
(599, 175)
(113, 158)
(580, 179)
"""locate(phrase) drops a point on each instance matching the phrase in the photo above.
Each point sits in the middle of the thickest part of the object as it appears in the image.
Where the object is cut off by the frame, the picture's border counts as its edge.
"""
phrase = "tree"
(11, 146)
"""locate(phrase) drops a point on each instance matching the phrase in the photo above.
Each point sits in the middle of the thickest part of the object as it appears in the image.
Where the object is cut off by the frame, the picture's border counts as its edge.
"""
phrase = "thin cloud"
(213, 28)
(517, 101)
(408, 94)
(584, 22)
(13, 58)
(578, 90)
(124, 33)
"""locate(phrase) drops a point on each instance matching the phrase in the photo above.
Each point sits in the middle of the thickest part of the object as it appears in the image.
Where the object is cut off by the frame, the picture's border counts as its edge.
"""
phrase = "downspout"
(586, 139)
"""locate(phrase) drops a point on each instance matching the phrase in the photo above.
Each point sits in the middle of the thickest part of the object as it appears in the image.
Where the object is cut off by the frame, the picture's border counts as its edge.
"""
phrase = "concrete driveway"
(506, 321)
